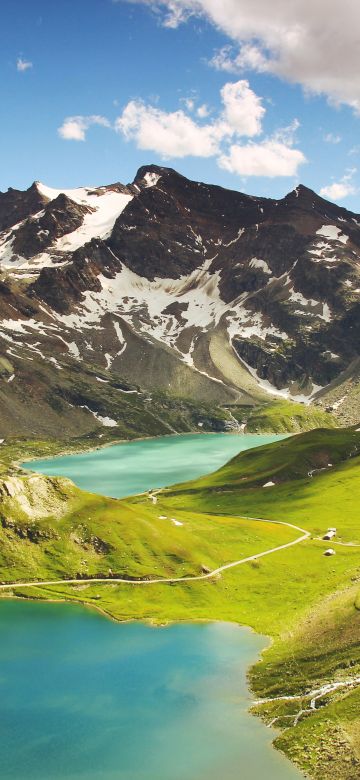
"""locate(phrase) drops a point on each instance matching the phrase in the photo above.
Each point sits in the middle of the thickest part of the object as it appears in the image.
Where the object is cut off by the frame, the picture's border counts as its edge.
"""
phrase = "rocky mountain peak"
(301, 194)
(157, 170)
(16, 205)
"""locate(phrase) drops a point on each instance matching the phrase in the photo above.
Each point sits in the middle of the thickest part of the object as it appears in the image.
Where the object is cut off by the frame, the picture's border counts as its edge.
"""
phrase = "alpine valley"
(167, 307)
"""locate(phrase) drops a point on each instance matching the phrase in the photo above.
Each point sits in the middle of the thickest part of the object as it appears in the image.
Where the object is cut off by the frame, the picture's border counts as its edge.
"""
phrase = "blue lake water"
(83, 698)
(133, 467)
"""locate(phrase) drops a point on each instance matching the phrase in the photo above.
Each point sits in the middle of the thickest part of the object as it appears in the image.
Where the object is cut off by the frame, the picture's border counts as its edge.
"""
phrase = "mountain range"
(170, 291)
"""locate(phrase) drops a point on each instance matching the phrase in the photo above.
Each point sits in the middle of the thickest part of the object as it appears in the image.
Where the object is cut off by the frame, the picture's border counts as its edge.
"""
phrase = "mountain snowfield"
(103, 206)
(182, 287)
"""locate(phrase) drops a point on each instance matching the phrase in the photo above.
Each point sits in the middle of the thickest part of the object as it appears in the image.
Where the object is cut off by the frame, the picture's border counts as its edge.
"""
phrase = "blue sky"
(242, 93)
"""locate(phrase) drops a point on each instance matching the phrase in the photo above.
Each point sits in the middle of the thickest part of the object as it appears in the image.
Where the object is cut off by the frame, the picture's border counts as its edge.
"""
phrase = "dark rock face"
(62, 287)
(16, 205)
(167, 230)
(283, 364)
(60, 216)
(12, 300)
(279, 246)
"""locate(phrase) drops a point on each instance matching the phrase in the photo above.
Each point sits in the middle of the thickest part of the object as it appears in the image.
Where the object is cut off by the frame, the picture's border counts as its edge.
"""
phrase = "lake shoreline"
(92, 447)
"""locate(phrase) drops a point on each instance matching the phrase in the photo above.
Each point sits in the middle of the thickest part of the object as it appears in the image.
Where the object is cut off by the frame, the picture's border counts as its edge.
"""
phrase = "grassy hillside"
(284, 417)
(51, 529)
(308, 603)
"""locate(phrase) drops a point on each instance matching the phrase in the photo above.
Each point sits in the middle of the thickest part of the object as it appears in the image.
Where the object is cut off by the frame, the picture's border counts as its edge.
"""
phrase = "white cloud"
(340, 189)
(175, 134)
(332, 138)
(337, 191)
(171, 134)
(243, 110)
(202, 111)
(249, 57)
(74, 128)
(315, 44)
(189, 103)
(269, 158)
(286, 135)
(224, 59)
(23, 65)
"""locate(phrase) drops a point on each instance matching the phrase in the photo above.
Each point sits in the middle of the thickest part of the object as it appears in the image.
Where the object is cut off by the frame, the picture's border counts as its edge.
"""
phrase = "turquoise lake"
(84, 698)
(133, 467)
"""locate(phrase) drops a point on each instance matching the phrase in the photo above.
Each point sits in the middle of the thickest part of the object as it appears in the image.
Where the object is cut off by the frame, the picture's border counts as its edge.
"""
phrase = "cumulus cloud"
(23, 65)
(175, 134)
(315, 44)
(286, 135)
(172, 134)
(340, 189)
(337, 190)
(74, 128)
(203, 111)
(248, 57)
(332, 138)
(243, 109)
(189, 103)
(269, 158)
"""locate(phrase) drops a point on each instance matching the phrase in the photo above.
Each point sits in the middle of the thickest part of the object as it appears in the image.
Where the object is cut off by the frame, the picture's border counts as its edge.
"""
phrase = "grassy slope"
(51, 529)
(306, 602)
(284, 417)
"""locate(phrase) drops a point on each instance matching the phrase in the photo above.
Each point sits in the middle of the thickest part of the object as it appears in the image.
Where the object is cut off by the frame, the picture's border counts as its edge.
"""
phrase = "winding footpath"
(171, 580)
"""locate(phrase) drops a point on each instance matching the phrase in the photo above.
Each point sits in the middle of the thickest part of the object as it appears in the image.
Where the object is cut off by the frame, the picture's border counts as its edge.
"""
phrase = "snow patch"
(245, 323)
(326, 315)
(120, 336)
(298, 297)
(106, 208)
(106, 421)
(56, 364)
(74, 350)
(234, 240)
(258, 263)
(151, 178)
(333, 233)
